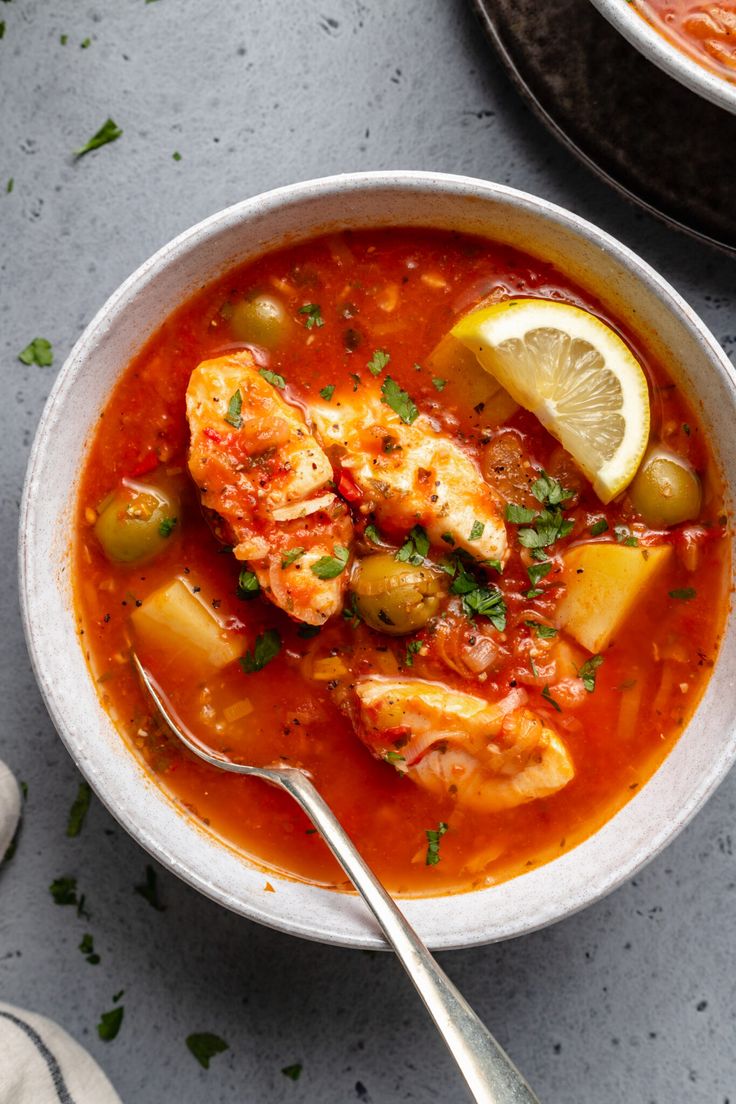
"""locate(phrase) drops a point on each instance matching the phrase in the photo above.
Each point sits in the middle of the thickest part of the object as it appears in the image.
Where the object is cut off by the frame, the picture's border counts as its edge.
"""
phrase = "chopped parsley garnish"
(685, 594)
(327, 392)
(306, 632)
(547, 695)
(291, 556)
(448, 538)
(38, 352)
(588, 672)
(394, 757)
(166, 527)
(415, 547)
(433, 843)
(64, 891)
(314, 317)
(272, 377)
(205, 1046)
(495, 565)
(356, 381)
(624, 536)
(549, 526)
(398, 400)
(351, 613)
(293, 1072)
(544, 632)
(109, 1024)
(378, 362)
(412, 648)
(477, 598)
(266, 648)
(149, 890)
(477, 531)
(598, 527)
(233, 410)
(686, 429)
(87, 947)
(537, 571)
(372, 534)
(108, 132)
(549, 492)
(248, 585)
(79, 809)
(439, 383)
(329, 567)
(519, 515)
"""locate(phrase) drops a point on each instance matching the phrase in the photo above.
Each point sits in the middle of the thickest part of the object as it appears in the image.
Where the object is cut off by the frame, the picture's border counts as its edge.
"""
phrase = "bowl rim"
(339, 187)
(666, 55)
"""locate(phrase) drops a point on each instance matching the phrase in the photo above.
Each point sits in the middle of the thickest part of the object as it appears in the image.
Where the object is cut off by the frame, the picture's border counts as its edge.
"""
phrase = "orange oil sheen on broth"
(704, 30)
(399, 291)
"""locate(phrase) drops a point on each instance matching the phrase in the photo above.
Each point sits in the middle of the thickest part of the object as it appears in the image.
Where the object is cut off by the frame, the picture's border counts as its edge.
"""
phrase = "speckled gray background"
(634, 1000)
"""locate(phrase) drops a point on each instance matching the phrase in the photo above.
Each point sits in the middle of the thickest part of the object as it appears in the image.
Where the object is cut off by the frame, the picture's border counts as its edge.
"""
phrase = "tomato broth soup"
(705, 31)
(403, 616)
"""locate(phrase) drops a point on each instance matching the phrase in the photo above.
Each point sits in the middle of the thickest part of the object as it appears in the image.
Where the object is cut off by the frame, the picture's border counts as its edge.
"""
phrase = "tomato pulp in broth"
(705, 31)
(397, 291)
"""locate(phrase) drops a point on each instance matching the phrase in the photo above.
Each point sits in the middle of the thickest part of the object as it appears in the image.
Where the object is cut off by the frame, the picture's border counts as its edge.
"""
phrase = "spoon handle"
(490, 1074)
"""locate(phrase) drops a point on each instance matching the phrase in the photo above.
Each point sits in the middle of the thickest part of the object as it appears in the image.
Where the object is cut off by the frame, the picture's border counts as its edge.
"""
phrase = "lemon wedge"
(578, 377)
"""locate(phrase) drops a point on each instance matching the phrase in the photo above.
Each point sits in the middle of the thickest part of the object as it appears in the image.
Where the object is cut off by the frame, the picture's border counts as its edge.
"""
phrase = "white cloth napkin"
(41, 1064)
(9, 808)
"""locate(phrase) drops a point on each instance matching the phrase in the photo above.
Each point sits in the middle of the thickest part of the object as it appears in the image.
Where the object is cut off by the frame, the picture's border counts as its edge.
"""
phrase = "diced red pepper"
(212, 435)
(147, 464)
(348, 488)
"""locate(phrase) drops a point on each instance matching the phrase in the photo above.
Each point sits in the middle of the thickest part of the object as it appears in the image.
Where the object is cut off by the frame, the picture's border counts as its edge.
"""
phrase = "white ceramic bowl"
(623, 282)
(663, 53)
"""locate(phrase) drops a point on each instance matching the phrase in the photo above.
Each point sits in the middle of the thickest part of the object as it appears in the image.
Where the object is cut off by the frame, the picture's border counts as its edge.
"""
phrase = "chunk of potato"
(181, 626)
(470, 384)
(604, 582)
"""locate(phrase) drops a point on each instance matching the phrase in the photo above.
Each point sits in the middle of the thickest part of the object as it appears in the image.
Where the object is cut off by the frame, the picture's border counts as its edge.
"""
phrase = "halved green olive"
(136, 522)
(262, 320)
(394, 597)
(665, 490)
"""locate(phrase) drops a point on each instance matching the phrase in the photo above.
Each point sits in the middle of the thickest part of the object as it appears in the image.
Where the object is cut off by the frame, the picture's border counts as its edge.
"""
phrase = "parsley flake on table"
(399, 401)
(293, 1072)
(108, 132)
(176, 156)
(234, 407)
(2, 28)
(329, 567)
(292, 556)
(547, 695)
(433, 843)
(38, 352)
(109, 1024)
(85, 43)
(248, 585)
(87, 947)
(10, 185)
(684, 594)
(266, 648)
(64, 891)
(204, 1046)
(327, 392)
(588, 672)
(378, 362)
(273, 377)
(415, 548)
(149, 890)
(79, 810)
(313, 313)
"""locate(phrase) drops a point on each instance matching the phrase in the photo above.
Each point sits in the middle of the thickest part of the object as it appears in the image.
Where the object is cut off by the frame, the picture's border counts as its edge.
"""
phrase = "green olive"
(395, 597)
(136, 522)
(665, 490)
(262, 320)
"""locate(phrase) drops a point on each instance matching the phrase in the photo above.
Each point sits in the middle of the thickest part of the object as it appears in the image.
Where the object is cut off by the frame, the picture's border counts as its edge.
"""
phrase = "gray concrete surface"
(631, 1001)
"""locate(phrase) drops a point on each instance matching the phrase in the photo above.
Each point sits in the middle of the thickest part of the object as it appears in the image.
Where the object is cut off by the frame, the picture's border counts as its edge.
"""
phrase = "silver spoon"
(490, 1074)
